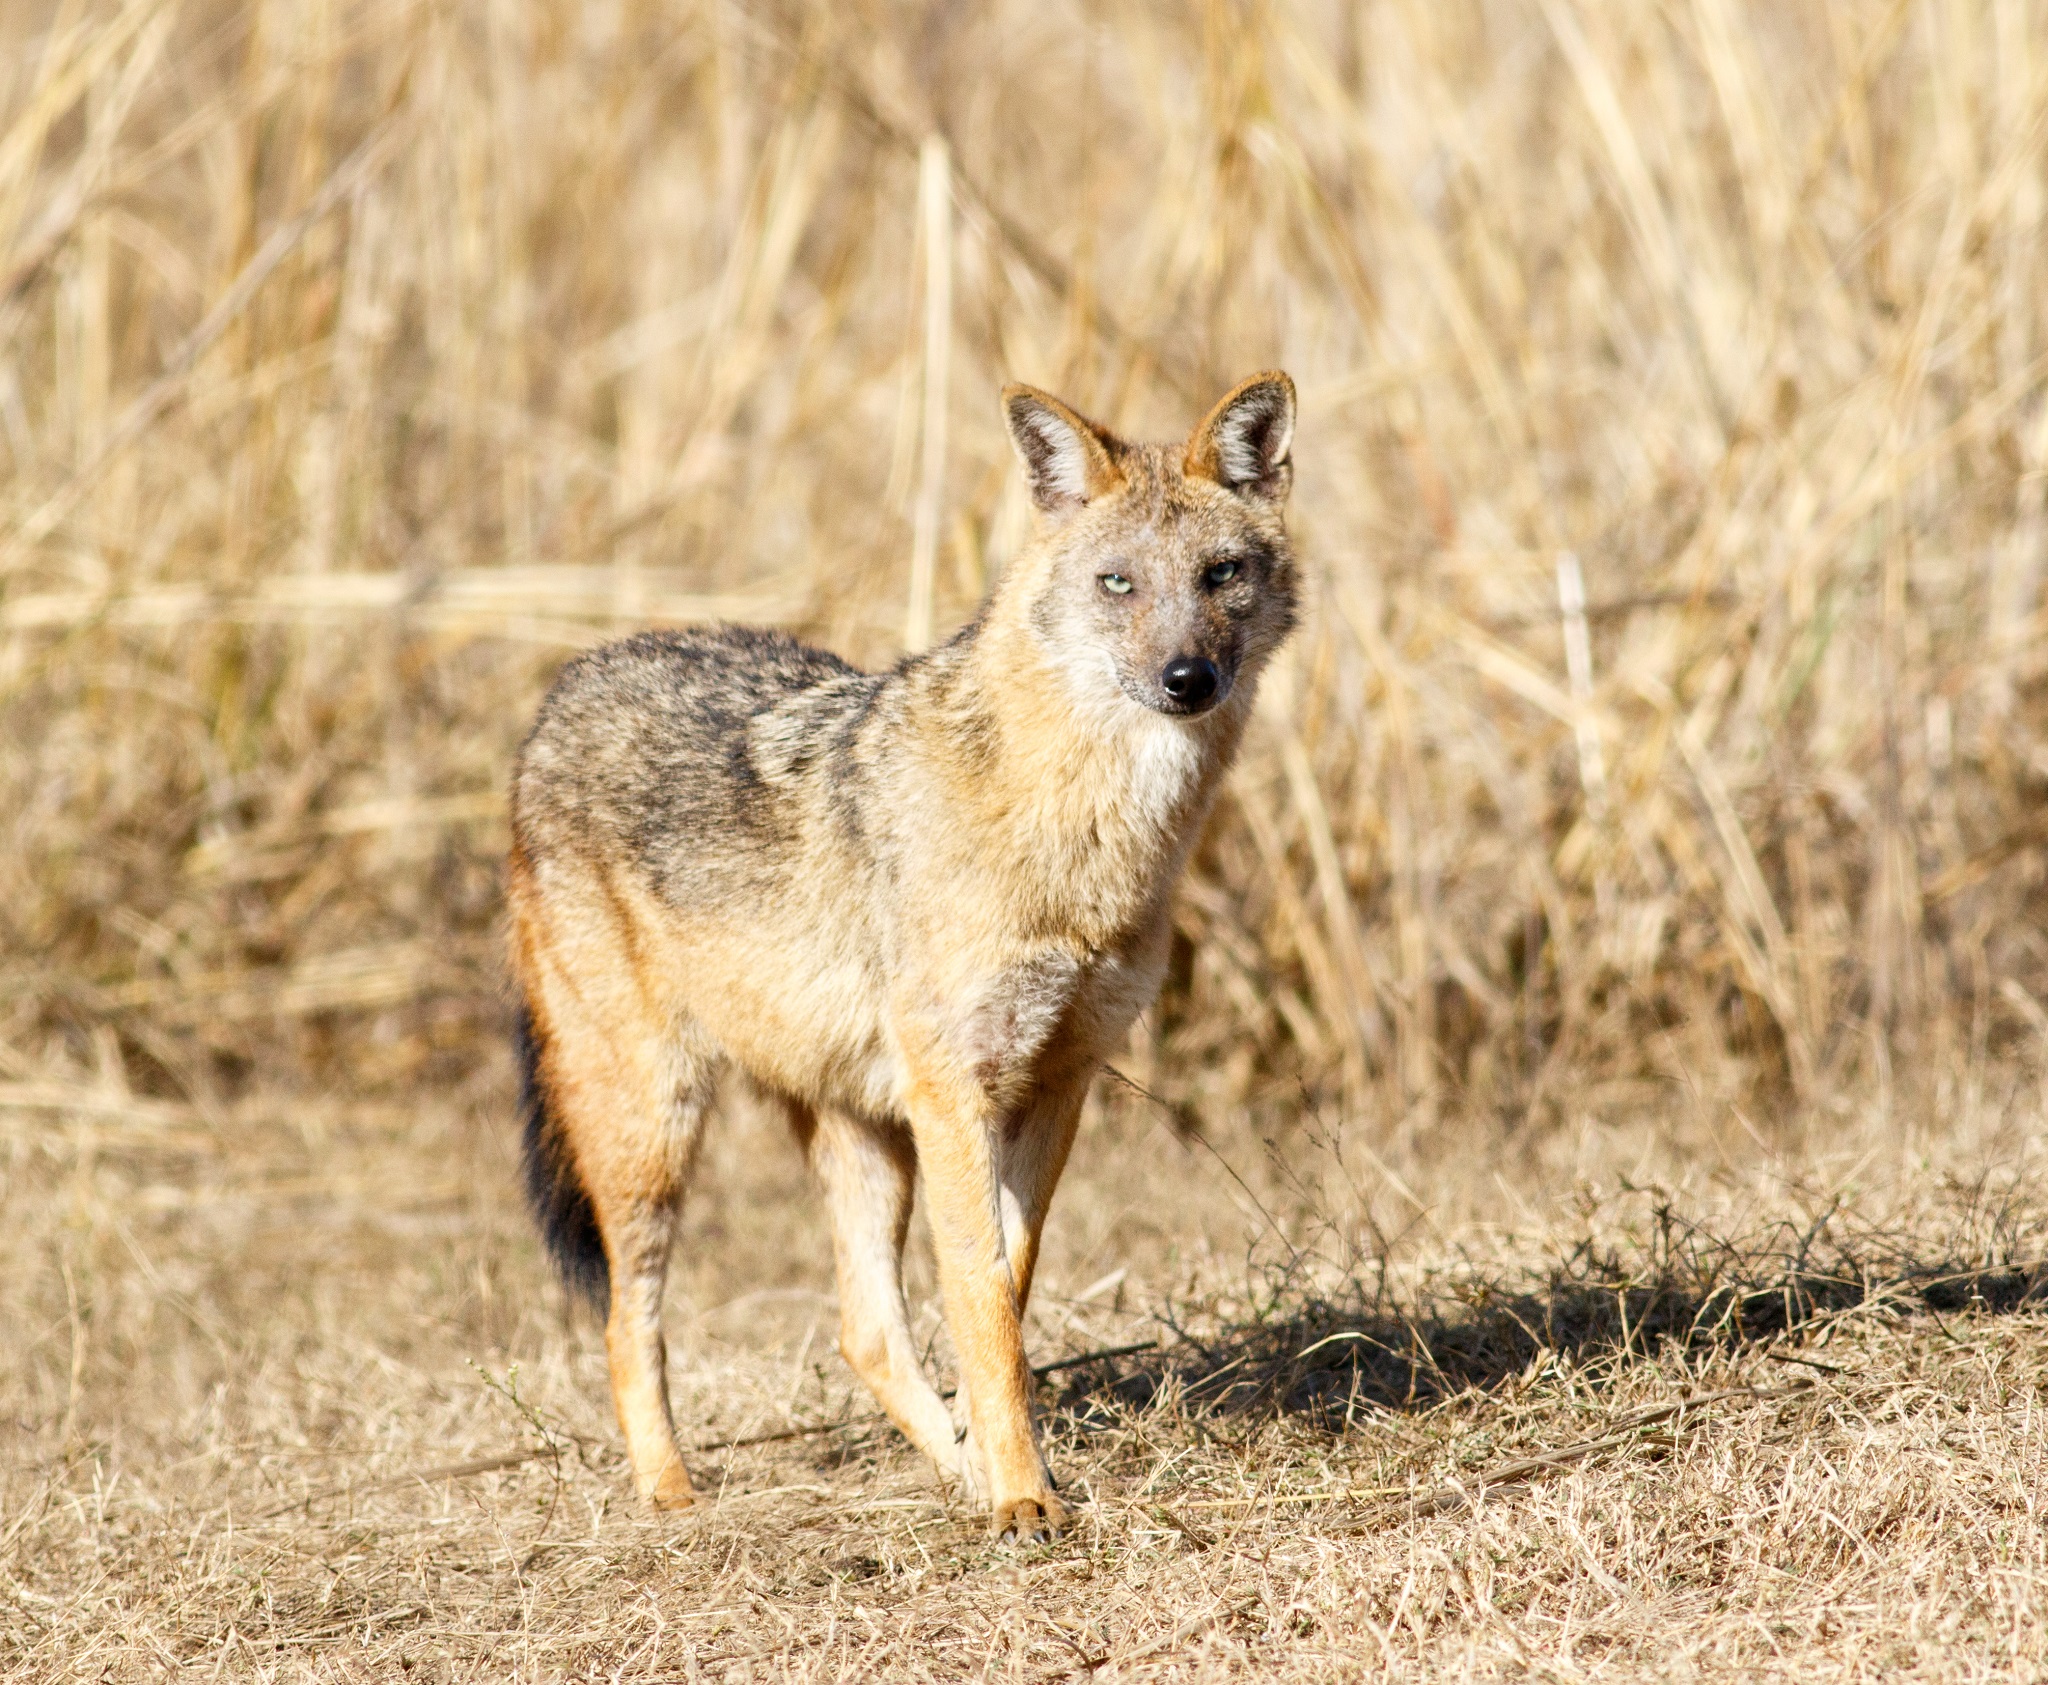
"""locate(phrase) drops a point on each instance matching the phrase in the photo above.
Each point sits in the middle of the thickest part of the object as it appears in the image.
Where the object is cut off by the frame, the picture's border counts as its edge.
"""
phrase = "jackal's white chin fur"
(1166, 759)
(1164, 755)
(1098, 693)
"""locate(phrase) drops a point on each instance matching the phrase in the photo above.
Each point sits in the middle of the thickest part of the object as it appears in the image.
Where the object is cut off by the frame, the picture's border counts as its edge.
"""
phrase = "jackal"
(917, 908)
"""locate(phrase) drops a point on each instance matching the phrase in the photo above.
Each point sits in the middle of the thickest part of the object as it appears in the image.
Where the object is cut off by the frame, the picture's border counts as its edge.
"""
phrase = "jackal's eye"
(1115, 584)
(1220, 573)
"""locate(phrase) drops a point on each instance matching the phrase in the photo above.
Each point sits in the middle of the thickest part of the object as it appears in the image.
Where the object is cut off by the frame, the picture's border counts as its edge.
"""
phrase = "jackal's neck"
(1102, 796)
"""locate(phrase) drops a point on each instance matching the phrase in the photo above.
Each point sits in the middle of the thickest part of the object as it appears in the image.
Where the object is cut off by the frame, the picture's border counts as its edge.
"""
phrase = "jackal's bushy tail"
(561, 1204)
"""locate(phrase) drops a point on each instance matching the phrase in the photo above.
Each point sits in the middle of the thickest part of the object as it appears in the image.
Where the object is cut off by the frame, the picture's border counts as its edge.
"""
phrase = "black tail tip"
(561, 1204)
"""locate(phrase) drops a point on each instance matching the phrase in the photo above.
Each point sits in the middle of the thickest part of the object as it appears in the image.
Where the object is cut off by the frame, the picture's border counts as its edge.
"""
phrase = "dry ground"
(292, 1397)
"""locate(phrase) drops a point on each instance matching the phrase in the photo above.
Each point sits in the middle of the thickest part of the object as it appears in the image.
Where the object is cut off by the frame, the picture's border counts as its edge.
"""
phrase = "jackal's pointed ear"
(1244, 443)
(1065, 455)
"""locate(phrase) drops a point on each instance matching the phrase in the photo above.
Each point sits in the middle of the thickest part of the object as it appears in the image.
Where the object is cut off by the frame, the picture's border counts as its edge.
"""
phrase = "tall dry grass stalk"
(1673, 473)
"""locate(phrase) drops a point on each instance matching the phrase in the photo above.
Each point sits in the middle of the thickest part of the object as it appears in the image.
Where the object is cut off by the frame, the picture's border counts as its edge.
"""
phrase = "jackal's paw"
(1030, 1521)
(670, 1490)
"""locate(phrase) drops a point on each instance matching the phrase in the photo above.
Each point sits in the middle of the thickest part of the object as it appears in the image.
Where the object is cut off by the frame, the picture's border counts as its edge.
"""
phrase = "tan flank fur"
(919, 907)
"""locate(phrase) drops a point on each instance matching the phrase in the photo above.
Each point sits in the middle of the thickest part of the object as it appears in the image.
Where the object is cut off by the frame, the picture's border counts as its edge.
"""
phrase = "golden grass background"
(362, 361)
(1654, 789)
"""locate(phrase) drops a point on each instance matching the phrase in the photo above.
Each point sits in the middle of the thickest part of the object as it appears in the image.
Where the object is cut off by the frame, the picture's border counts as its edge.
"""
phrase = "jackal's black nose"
(1191, 680)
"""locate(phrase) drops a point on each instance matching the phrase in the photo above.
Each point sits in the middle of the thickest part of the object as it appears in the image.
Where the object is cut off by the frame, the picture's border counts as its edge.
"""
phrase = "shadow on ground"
(1599, 1307)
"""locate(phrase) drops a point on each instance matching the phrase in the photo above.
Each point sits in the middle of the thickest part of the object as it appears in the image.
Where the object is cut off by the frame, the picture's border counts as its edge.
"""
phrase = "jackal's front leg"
(958, 1146)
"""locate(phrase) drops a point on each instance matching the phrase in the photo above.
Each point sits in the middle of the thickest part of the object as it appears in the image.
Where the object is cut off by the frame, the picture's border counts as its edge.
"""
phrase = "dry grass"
(297, 1401)
(1653, 796)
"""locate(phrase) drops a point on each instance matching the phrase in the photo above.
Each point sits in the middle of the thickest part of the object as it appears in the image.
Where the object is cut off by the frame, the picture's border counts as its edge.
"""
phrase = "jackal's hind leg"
(869, 1174)
(635, 1157)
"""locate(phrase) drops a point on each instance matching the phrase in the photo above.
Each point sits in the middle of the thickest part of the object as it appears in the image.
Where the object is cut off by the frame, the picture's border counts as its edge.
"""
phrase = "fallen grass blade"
(1446, 1499)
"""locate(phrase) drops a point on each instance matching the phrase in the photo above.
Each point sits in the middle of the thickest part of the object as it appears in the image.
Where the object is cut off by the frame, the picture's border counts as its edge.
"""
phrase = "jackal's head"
(1161, 572)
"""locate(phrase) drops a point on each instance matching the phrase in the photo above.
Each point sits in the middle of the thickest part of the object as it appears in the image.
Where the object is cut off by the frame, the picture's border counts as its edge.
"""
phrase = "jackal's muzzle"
(1192, 684)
